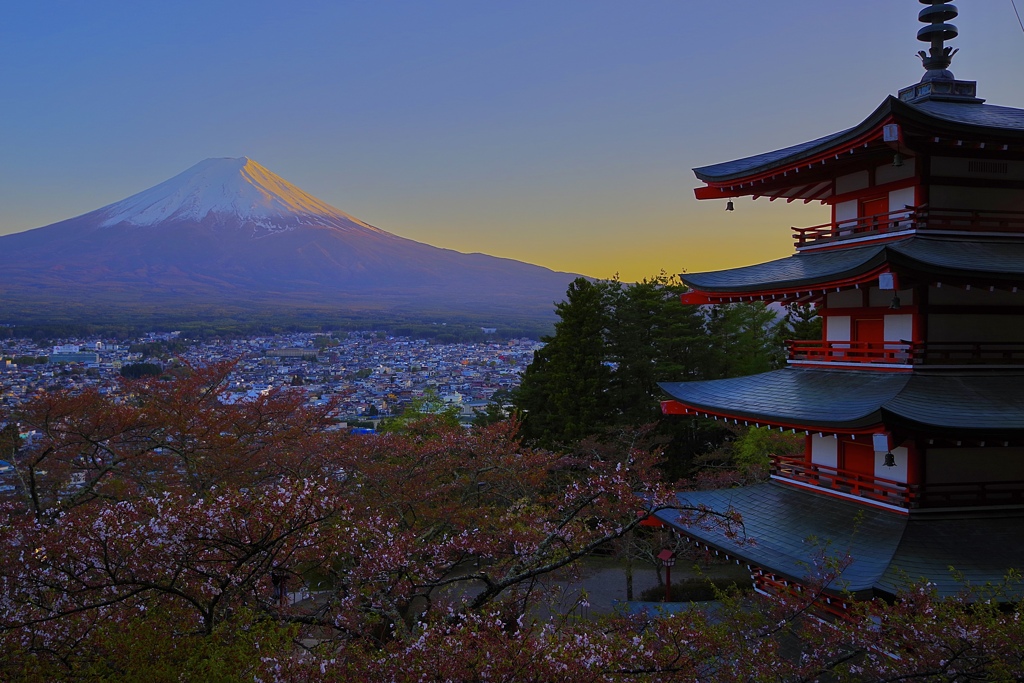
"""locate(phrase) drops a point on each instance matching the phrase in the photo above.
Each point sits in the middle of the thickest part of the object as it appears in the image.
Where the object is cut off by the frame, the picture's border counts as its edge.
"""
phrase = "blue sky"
(560, 133)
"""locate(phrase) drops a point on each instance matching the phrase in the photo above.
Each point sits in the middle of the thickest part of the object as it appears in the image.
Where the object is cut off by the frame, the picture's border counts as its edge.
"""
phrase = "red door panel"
(869, 330)
(875, 207)
(857, 458)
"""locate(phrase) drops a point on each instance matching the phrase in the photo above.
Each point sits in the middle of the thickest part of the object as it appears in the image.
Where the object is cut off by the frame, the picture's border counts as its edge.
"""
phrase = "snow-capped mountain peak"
(239, 191)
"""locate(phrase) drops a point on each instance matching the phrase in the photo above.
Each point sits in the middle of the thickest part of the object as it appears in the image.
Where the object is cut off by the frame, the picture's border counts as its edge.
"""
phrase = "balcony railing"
(891, 492)
(874, 488)
(912, 218)
(907, 353)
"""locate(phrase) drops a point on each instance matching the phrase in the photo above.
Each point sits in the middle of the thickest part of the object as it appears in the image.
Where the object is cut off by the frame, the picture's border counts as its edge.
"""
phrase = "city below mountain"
(229, 235)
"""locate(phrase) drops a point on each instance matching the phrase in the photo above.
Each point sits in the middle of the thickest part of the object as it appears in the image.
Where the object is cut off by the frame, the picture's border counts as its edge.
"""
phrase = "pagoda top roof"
(948, 259)
(887, 549)
(926, 118)
(966, 404)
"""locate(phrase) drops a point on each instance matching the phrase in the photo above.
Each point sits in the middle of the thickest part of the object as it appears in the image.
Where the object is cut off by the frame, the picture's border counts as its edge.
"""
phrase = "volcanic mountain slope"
(229, 230)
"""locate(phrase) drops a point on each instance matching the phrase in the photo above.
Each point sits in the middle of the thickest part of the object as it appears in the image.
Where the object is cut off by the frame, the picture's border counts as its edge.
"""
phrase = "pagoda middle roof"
(787, 530)
(975, 403)
(953, 117)
(951, 258)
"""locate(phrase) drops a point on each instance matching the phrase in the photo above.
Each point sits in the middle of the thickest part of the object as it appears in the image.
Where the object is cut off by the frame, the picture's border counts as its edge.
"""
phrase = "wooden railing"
(907, 353)
(896, 353)
(874, 488)
(968, 353)
(969, 494)
(912, 218)
(959, 494)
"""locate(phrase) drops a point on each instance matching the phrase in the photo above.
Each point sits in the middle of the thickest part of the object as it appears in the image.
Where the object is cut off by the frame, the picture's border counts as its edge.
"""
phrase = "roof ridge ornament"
(938, 82)
(937, 60)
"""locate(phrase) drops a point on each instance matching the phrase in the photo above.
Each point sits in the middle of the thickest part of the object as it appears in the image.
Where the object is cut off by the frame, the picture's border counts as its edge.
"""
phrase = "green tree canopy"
(615, 342)
(563, 393)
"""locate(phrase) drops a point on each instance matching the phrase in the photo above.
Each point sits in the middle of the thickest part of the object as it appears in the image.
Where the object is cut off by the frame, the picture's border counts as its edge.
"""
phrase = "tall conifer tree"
(564, 392)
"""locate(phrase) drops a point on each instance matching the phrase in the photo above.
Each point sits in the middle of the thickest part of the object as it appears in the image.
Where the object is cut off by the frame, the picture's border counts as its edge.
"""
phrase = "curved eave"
(751, 168)
(931, 258)
(969, 405)
(962, 121)
(795, 398)
(976, 404)
(886, 549)
(793, 273)
(779, 520)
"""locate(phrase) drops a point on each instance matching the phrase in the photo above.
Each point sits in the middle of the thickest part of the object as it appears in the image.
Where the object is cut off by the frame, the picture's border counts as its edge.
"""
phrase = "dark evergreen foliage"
(614, 342)
(563, 394)
(802, 322)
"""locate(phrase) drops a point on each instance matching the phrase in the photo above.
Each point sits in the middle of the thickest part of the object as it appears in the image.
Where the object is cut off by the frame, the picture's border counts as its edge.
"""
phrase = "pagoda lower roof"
(978, 261)
(955, 118)
(962, 404)
(787, 531)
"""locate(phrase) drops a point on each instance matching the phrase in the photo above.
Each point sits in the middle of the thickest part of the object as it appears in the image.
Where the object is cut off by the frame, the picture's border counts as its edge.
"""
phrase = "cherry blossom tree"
(171, 501)
(168, 534)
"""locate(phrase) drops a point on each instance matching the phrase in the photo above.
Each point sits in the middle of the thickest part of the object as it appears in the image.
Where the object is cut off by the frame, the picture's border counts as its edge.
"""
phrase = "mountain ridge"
(229, 230)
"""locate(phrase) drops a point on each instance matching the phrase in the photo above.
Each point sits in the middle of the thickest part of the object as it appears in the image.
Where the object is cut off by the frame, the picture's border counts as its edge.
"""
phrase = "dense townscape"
(367, 374)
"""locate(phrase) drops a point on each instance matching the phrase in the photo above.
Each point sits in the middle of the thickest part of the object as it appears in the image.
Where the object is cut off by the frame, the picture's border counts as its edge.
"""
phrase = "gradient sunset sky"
(557, 132)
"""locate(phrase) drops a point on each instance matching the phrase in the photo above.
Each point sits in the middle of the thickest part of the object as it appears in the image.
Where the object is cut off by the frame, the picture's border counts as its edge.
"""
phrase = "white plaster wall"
(825, 450)
(899, 327)
(890, 173)
(952, 465)
(897, 473)
(852, 182)
(846, 211)
(901, 198)
(848, 298)
(837, 328)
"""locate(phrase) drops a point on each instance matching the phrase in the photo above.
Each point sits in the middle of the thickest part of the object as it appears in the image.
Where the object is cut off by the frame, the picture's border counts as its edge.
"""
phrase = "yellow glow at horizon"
(691, 236)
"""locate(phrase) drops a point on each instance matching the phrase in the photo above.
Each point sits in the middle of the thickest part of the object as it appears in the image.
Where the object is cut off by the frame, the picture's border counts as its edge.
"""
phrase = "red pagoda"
(912, 403)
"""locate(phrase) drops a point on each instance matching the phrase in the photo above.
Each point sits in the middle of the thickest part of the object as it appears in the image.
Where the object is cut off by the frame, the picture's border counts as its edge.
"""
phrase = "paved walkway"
(604, 584)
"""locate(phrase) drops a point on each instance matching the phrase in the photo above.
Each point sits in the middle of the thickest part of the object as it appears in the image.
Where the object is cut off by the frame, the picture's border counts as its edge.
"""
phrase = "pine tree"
(652, 338)
(563, 393)
(745, 340)
(802, 322)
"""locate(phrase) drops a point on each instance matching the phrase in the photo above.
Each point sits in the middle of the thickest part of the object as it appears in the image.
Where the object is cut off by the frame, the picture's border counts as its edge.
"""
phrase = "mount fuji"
(228, 231)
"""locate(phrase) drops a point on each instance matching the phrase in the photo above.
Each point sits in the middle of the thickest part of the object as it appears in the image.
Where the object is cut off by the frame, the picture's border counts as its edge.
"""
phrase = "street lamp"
(668, 558)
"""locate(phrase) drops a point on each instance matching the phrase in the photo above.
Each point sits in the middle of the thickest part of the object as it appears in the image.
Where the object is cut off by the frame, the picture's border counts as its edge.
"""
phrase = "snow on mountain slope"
(230, 230)
(239, 189)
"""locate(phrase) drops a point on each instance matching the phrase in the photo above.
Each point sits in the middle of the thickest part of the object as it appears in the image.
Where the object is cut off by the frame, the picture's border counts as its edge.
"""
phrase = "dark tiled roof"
(963, 116)
(801, 396)
(789, 531)
(977, 403)
(948, 257)
(740, 167)
(1003, 260)
(980, 401)
(984, 115)
(983, 546)
(806, 268)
